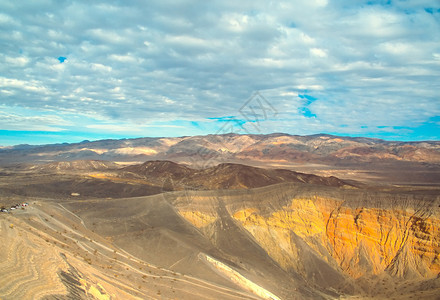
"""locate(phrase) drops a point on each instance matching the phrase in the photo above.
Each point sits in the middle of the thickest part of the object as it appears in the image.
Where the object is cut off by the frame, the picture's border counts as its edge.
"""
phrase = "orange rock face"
(362, 241)
(387, 238)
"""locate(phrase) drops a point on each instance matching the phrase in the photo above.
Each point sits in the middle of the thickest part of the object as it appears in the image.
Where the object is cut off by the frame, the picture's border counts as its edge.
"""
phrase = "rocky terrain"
(158, 229)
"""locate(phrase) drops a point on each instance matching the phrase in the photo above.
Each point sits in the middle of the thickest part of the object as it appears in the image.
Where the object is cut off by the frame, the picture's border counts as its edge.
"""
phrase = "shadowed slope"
(50, 253)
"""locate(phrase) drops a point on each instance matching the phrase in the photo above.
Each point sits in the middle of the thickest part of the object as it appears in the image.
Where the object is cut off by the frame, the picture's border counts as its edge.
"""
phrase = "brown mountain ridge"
(225, 176)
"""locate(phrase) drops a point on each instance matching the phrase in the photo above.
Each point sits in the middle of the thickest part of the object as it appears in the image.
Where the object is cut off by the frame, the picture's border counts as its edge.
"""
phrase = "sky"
(88, 70)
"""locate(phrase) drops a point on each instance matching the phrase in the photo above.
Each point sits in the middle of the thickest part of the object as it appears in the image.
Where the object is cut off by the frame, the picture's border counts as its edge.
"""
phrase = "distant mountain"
(373, 159)
(313, 148)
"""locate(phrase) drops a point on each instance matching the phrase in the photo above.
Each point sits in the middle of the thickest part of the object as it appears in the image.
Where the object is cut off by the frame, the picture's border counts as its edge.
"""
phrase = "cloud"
(20, 119)
(367, 64)
(33, 86)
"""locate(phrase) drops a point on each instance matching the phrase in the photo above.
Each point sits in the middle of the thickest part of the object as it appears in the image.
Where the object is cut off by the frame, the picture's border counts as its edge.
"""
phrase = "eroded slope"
(339, 240)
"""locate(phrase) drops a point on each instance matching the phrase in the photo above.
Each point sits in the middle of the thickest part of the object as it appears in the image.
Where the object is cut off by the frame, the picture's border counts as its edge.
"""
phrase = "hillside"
(76, 165)
(223, 176)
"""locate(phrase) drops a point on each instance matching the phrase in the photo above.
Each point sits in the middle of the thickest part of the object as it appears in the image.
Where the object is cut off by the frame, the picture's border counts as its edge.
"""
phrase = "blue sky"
(75, 70)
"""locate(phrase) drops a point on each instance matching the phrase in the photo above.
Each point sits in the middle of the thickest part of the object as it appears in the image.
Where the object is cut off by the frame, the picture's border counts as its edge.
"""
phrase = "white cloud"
(176, 61)
(123, 58)
(318, 52)
(30, 86)
(20, 61)
(100, 67)
(25, 120)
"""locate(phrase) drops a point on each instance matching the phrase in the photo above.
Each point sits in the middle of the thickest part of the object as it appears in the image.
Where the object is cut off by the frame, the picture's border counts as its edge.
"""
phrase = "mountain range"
(324, 155)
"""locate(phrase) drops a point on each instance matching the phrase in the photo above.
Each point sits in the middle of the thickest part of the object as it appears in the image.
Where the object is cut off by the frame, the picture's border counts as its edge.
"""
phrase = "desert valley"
(218, 150)
(221, 217)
